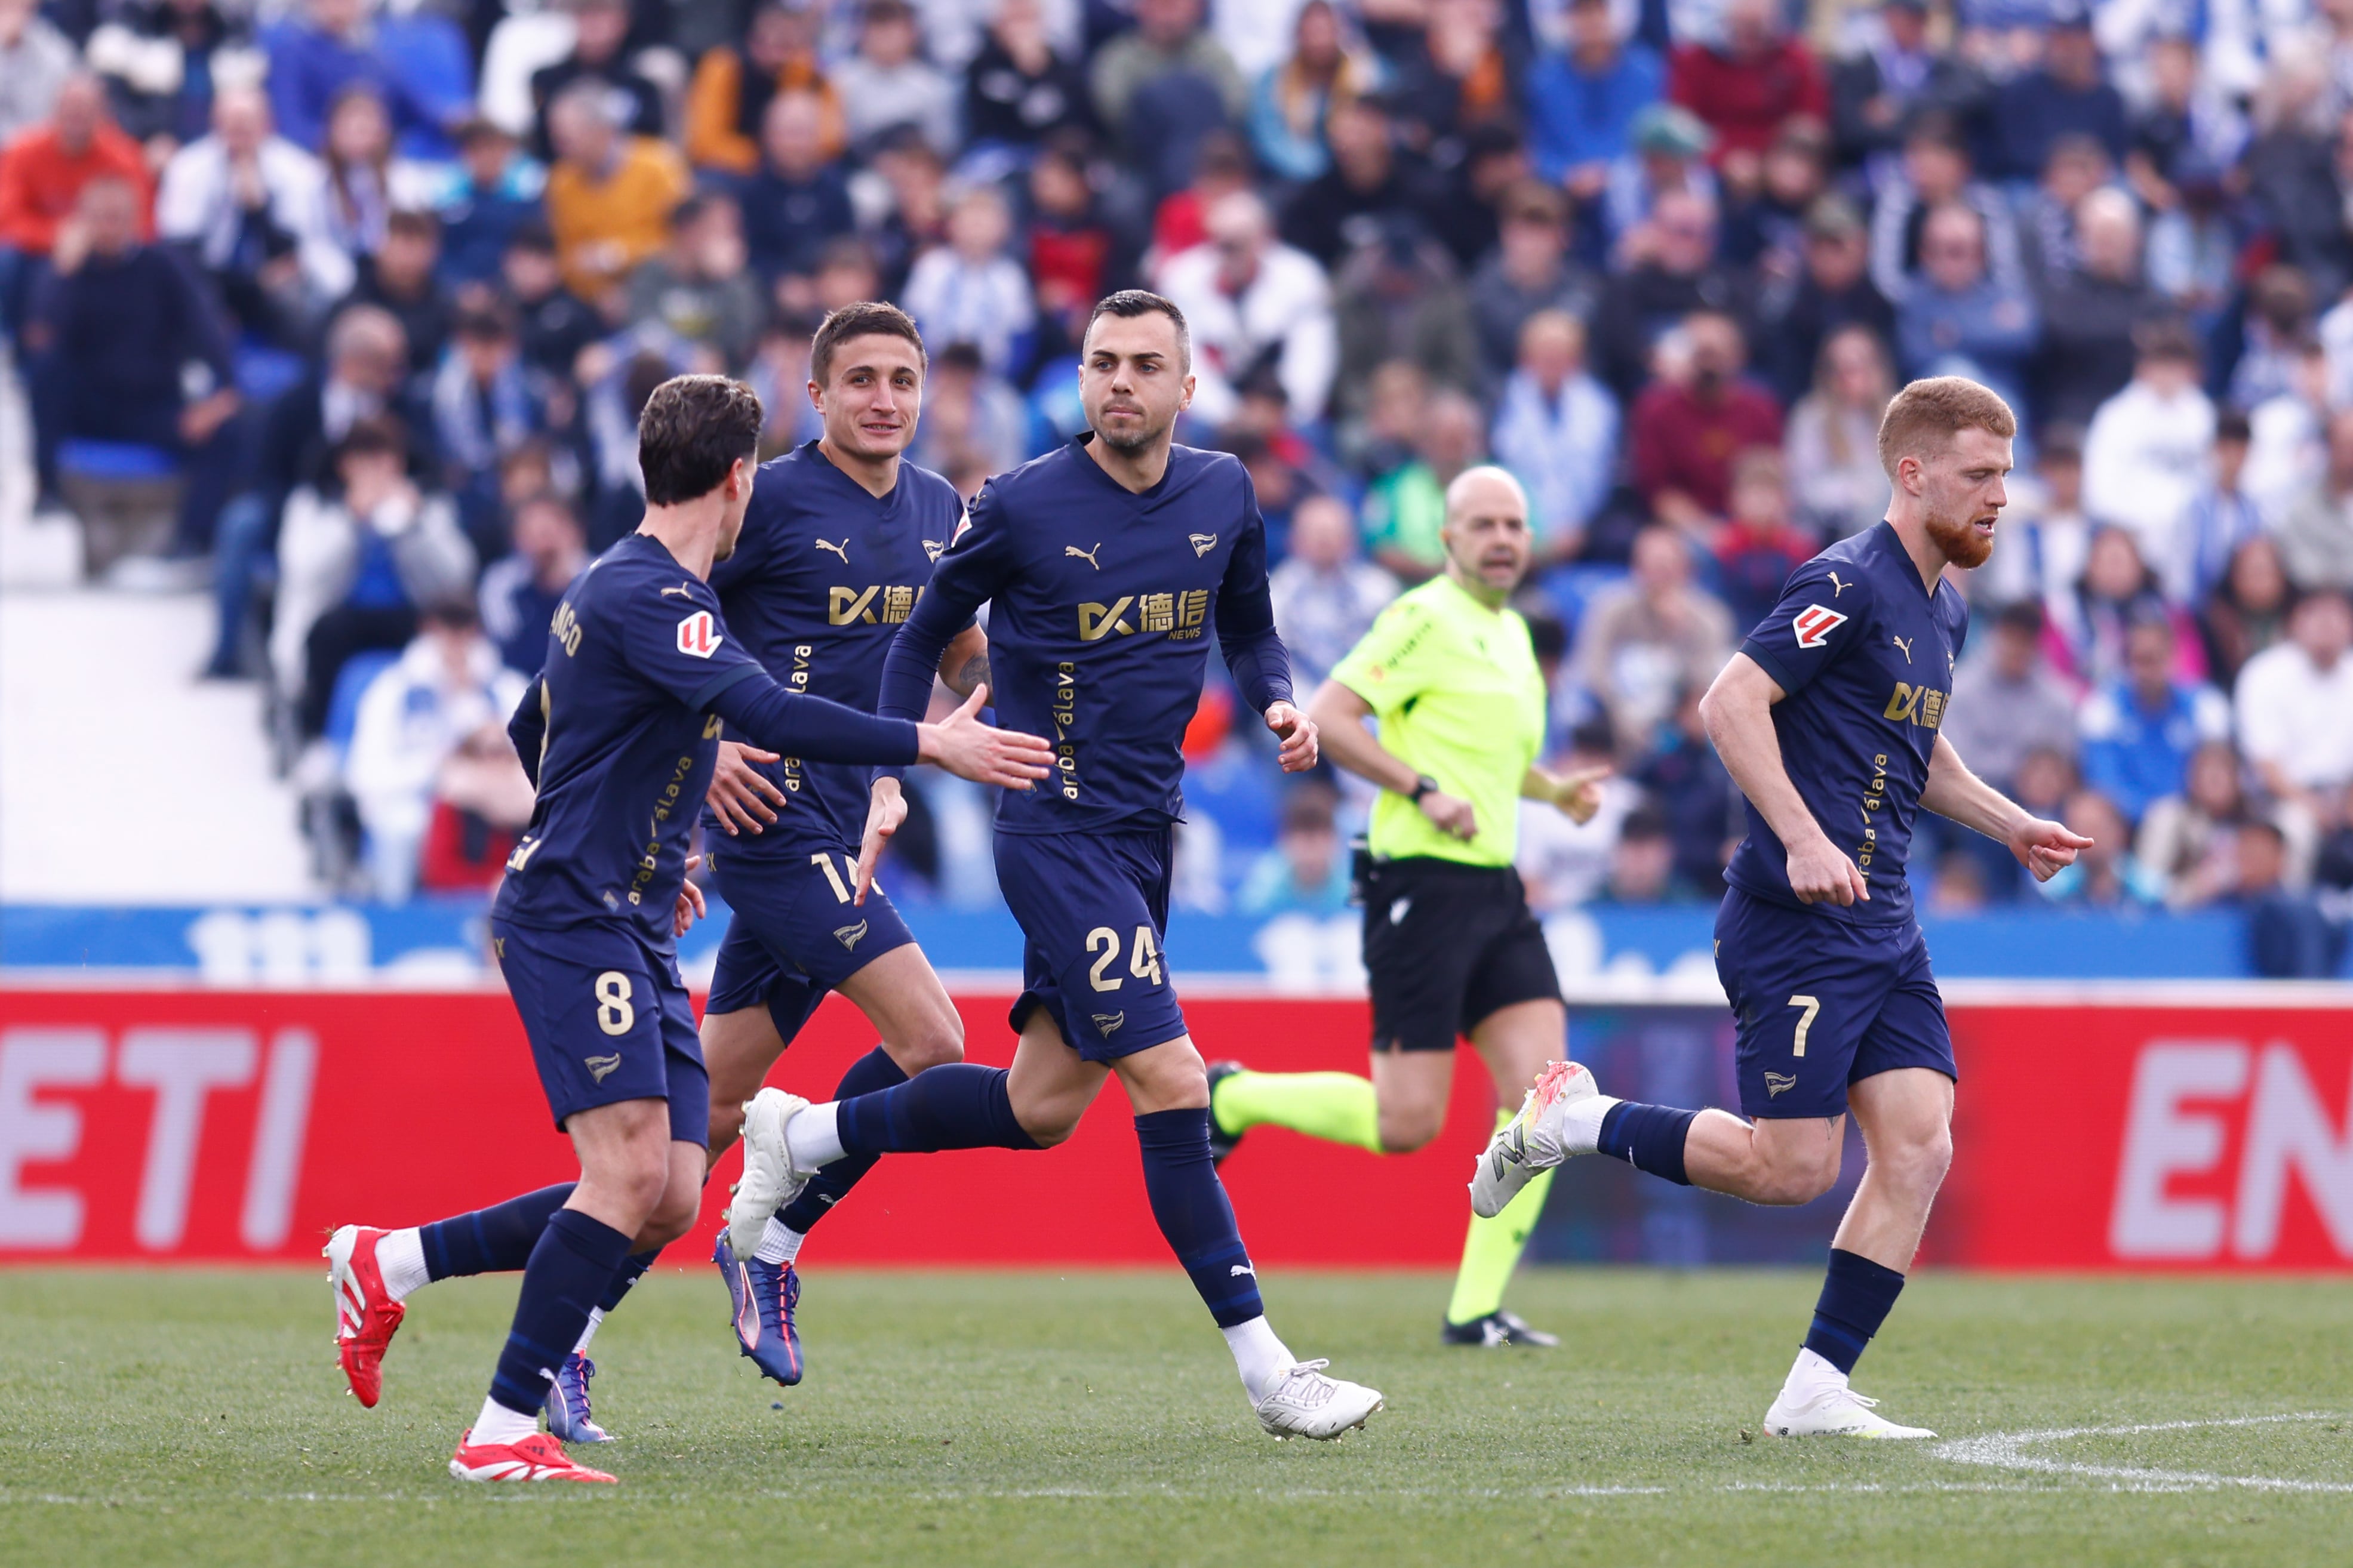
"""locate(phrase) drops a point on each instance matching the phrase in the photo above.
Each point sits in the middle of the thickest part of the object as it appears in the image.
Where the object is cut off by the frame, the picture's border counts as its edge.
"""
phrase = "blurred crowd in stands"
(386, 285)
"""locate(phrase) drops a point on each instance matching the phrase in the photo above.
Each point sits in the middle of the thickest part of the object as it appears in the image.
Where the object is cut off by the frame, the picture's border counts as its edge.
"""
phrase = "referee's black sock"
(1648, 1137)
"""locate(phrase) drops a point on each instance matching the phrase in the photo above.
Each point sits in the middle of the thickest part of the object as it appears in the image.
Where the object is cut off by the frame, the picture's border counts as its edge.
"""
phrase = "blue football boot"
(764, 1295)
(568, 1420)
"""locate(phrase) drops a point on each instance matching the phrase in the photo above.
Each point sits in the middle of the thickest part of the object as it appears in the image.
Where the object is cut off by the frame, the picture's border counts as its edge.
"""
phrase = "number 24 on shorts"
(1144, 963)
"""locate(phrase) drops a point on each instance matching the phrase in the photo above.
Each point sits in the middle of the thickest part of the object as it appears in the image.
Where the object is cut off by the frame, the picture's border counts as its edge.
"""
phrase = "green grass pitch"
(976, 1418)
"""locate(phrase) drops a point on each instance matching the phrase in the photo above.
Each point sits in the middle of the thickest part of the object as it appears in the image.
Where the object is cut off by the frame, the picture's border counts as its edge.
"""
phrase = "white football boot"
(1832, 1410)
(1304, 1403)
(1531, 1140)
(769, 1180)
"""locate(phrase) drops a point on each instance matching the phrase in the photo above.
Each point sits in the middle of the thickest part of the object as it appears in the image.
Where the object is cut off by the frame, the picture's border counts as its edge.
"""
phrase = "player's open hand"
(2046, 849)
(1300, 746)
(740, 792)
(1450, 814)
(1820, 874)
(691, 906)
(884, 812)
(972, 750)
(1578, 795)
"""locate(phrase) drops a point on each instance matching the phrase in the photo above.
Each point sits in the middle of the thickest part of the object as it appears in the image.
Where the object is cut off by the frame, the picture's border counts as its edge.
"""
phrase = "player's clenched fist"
(970, 749)
(1820, 874)
(1299, 745)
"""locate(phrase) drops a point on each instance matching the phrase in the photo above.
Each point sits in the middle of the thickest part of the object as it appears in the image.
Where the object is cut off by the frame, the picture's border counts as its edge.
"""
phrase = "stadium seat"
(351, 684)
(127, 497)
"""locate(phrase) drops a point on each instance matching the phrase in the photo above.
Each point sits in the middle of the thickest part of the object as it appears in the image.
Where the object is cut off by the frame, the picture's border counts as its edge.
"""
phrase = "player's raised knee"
(1403, 1128)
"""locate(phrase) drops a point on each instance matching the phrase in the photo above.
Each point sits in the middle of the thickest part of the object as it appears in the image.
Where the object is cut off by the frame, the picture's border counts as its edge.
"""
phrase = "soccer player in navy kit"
(1828, 719)
(1107, 564)
(837, 549)
(622, 726)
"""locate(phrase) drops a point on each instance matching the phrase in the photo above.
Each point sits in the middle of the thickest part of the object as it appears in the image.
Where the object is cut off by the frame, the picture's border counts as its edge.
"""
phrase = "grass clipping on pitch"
(1024, 1419)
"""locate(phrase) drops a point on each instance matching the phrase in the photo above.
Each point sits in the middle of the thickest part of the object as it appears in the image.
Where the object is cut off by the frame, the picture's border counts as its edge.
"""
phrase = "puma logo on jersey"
(1837, 588)
(1814, 625)
(1107, 1024)
(1086, 555)
(1202, 542)
(685, 591)
(602, 1067)
(841, 549)
(1906, 645)
(1780, 1083)
(850, 936)
(931, 547)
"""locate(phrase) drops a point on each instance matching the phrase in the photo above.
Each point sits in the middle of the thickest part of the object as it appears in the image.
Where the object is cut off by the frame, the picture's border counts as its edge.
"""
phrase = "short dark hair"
(373, 436)
(693, 430)
(1129, 303)
(866, 318)
(414, 222)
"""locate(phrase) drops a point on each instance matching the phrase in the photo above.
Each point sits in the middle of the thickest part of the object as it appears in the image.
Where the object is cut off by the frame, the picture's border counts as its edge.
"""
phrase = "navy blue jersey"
(1101, 605)
(824, 574)
(637, 652)
(1865, 652)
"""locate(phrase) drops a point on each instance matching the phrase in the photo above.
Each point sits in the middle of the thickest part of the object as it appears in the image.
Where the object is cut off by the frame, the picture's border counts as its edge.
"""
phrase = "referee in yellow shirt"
(1449, 944)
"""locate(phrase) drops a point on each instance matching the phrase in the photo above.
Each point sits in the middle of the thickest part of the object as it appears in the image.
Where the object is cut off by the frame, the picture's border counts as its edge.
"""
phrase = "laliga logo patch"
(1814, 625)
(698, 635)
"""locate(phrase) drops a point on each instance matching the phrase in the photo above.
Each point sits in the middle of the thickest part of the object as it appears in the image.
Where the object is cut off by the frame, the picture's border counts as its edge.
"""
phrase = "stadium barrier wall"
(2206, 1127)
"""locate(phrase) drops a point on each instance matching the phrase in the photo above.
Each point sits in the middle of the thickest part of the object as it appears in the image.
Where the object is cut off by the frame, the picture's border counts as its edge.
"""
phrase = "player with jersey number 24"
(1829, 719)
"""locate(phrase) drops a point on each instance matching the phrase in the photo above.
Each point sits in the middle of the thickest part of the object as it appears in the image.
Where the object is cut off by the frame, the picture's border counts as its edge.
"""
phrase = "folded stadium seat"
(127, 497)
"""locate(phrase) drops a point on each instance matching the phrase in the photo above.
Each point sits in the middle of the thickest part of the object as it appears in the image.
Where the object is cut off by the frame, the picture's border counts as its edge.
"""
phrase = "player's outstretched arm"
(2043, 846)
(972, 750)
(1340, 712)
(1738, 713)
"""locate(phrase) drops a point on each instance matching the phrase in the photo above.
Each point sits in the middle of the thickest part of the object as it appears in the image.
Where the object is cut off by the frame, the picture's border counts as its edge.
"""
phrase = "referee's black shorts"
(1446, 945)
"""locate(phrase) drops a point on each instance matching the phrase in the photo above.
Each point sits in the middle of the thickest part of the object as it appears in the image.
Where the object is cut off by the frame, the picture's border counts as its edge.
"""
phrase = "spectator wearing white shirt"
(2314, 532)
(1325, 594)
(2295, 703)
(1564, 862)
(253, 208)
(2147, 453)
(1251, 300)
(449, 692)
(1557, 428)
(969, 291)
(887, 83)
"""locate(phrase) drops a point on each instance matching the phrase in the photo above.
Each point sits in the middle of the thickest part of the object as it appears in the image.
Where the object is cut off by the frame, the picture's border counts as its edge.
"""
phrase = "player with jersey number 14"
(1829, 719)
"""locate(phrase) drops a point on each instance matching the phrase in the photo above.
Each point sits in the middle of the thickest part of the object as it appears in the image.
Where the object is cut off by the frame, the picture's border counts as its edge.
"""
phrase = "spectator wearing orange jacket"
(727, 101)
(44, 169)
(609, 195)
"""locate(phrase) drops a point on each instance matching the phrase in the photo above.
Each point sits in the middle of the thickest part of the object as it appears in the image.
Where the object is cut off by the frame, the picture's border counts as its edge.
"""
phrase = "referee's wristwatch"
(1422, 784)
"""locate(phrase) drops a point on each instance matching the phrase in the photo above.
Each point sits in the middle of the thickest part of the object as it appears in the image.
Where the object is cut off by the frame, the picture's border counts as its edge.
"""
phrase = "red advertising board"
(202, 1126)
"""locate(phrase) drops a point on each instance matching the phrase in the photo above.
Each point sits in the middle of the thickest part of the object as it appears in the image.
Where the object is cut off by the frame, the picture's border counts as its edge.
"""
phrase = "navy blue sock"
(568, 1275)
(495, 1240)
(870, 1074)
(1191, 1203)
(959, 1106)
(633, 1267)
(1648, 1137)
(1857, 1294)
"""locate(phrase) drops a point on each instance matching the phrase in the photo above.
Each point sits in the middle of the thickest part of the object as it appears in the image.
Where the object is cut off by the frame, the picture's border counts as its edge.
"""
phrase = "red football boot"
(365, 1316)
(538, 1457)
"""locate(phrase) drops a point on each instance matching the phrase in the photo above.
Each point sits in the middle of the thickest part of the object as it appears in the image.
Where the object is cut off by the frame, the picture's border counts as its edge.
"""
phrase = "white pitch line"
(2007, 1450)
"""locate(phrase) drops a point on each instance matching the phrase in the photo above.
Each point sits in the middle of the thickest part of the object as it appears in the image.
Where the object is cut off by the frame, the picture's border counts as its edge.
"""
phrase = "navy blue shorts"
(1822, 1003)
(1093, 907)
(608, 1021)
(793, 934)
